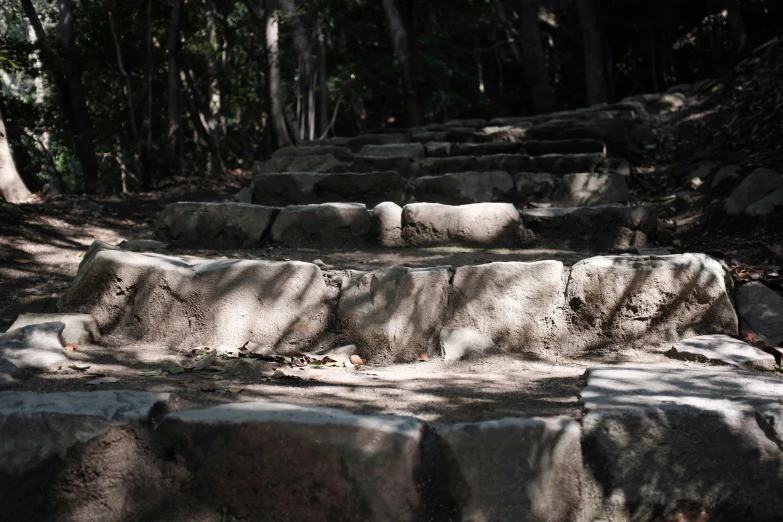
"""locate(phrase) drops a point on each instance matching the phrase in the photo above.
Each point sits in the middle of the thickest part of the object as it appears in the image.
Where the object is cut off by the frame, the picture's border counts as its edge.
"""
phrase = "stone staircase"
(574, 273)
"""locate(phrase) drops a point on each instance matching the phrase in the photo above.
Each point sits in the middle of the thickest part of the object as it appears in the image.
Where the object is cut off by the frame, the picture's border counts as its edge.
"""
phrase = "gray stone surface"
(464, 343)
(595, 229)
(394, 314)
(318, 463)
(414, 151)
(197, 302)
(754, 187)
(225, 224)
(583, 146)
(144, 245)
(79, 328)
(245, 195)
(479, 224)
(438, 149)
(724, 350)
(359, 142)
(35, 427)
(318, 163)
(591, 188)
(658, 439)
(724, 174)
(761, 310)
(35, 347)
(341, 153)
(464, 187)
(519, 306)
(323, 225)
(387, 224)
(516, 469)
(533, 186)
(290, 188)
(404, 167)
(301, 188)
(484, 149)
(766, 206)
(643, 301)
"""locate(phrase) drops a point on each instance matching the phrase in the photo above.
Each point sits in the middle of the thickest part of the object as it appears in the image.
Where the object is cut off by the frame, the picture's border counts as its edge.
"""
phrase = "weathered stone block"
(464, 187)
(79, 328)
(33, 347)
(414, 151)
(761, 310)
(325, 225)
(479, 224)
(591, 188)
(387, 224)
(224, 224)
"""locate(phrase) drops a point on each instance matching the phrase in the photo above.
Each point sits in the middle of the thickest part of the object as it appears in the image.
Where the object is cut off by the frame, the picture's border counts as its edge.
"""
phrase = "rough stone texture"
(37, 426)
(659, 439)
(761, 310)
(359, 142)
(404, 167)
(583, 146)
(319, 163)
(324, 225)
(639, 300)
(79, 328)
(724, 350)
(81, 456)
(225, 224)
(144, 245)
(533, 186)
(512, 163)
(767, 205)
(596, 229)
(387, 224)
(414, 151)
(464, 187)
(301, 188)
(35, 347)
(484, 149)
(754, 187)
(197, 302)
(394, 314)
(245, 195)
(463, 343)
(516, 469)
(585, 189)
(566, 163)
(438, 149)
(727, 173)
(517, 305)
(313, 463)
(479, 224)
(341, 153)
(369, 188)
(290, 188)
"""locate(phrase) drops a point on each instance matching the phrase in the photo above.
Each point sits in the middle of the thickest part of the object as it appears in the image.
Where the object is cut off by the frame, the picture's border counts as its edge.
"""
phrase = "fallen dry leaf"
(320, 377)
(206, 361)
(279, 374)
(423, 357)
(71, 348)
(749, 336)
(23, 261)
(152, 373)
(355, 359)
(79, 367)
(175, 369)
(235, 389)
(208, 387)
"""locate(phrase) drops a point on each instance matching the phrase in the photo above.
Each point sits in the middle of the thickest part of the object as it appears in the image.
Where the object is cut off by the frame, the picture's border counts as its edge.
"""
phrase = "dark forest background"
(117, 95)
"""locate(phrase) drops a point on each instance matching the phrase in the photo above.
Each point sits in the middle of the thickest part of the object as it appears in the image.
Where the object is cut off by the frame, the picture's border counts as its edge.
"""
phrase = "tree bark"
(12, 188)
(306, 79)
(323, 90)
(214, 102)
(173, 96)
(274, 82)
(145, 26)
(399, 37)
(69, 88)
(82, 138)
(594, 60)
(199, 110)
(542, 99)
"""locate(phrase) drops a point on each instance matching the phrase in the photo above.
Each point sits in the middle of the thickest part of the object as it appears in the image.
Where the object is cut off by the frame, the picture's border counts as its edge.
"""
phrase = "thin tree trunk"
(128, 94)
(736, 26)
(542, 99)
(275, 84)
(173, 97)
(306, 85)
(593, 45)
(83, 139)
(213, 113)
(145, 25)
(323, 91)
(399, 38)
(12, 188)
(199, 110)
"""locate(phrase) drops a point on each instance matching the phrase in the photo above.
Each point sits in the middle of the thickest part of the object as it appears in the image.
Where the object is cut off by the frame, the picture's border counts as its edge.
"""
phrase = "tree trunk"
(323, 91)
(199, 110)
(593, 45)
(82, 137)
(306, 83)
(399, 38)
(12, 188)
(737, 27)
(173, 96)
(215, 101)
(275, 84)
(145, 26)
(542, 99)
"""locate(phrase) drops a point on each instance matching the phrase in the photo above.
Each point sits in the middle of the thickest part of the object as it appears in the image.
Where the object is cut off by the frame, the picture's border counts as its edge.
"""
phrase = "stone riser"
(396, 313)
(581, 189)
(654, 444)
(341, 225)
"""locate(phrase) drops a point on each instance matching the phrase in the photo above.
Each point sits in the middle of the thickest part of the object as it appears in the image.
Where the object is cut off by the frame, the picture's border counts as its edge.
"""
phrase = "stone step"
(353, 225)
(459, 187)
(656, 442)
(395, 313)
